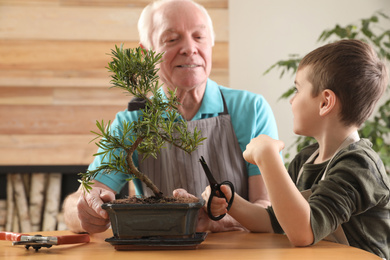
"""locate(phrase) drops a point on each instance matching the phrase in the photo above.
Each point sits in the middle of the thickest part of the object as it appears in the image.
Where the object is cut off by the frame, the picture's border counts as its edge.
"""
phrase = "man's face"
(182, 33)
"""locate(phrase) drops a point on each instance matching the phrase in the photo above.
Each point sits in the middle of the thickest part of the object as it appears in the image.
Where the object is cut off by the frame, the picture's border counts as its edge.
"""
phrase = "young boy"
(344, 180)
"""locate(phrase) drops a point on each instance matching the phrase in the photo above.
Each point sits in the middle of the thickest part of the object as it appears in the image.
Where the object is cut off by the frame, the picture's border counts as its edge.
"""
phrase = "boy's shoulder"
(361, 151)
(361, 148)
(365, 162)
(306, 152)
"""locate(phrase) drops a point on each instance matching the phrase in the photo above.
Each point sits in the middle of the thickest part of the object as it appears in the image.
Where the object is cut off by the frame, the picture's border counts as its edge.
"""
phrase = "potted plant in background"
(159, 220)
(377, 128)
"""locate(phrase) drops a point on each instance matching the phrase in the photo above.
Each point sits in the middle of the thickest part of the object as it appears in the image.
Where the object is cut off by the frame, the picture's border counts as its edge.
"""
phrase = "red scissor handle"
(11, 236)
(73, 239)
(59, 240)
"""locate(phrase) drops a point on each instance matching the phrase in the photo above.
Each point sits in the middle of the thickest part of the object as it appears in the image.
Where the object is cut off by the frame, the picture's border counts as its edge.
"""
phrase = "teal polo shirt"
(250, 113)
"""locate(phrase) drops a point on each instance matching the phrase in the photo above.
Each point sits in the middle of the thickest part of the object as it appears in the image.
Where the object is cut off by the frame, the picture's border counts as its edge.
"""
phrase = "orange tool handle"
(72, 239)
(11, 236)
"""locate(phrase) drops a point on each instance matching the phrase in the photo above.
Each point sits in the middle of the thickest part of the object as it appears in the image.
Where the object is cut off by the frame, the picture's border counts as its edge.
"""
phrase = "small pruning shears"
(38, 241)
(216, 190)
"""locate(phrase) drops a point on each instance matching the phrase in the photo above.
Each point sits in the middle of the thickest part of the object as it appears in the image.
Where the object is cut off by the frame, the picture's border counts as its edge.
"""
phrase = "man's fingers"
(95, 203)
(105, 196)
(96, 227)
(179, 193)
(95, 200)
(206, 194)
(182, 193)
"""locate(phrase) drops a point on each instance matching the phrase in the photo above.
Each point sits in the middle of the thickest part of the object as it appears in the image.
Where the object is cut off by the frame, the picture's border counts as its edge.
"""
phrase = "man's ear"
(144, 48)
(328, 102)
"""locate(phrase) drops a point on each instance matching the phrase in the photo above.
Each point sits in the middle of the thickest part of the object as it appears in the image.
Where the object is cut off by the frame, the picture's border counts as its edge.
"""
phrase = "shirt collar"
(212, 102)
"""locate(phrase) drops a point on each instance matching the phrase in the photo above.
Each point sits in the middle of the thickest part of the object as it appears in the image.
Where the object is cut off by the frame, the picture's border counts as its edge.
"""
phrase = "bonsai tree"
(135, 72)
(377, 128)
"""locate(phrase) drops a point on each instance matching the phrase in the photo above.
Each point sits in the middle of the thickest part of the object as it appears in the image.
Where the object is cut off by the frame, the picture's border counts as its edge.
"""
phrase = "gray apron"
(338, 236)
(175, 168)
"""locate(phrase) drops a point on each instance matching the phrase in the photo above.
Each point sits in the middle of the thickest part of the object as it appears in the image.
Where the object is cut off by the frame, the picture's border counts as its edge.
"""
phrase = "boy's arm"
(290, 207)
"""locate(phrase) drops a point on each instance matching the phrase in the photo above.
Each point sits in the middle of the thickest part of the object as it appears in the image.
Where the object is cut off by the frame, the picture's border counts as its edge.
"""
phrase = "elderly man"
(183, 31)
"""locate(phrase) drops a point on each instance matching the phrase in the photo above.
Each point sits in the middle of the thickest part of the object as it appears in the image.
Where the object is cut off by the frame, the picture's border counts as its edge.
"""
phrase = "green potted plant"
(135, 222)
(377, 128)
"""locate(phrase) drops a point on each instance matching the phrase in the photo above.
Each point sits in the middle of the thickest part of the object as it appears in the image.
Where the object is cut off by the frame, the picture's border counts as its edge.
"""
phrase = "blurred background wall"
(54, 84)
(263, 32)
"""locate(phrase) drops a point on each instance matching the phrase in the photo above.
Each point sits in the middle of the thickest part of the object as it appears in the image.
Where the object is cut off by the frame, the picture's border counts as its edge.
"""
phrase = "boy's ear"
(328, 102)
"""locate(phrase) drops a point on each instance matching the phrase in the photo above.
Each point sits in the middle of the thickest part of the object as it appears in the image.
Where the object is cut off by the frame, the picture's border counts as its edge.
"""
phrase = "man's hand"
(203, 219)
(83, 212)
(93, 218)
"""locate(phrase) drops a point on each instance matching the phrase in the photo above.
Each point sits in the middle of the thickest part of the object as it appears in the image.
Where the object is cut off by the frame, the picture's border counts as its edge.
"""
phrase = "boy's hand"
(204, 222)
(262, 146)
(218, 205)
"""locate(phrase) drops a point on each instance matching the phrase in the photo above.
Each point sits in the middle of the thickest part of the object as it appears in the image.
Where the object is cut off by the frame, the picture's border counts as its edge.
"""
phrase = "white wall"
(265, 31)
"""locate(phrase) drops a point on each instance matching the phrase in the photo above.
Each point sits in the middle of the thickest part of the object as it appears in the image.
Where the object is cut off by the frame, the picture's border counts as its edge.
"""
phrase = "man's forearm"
(71, 213)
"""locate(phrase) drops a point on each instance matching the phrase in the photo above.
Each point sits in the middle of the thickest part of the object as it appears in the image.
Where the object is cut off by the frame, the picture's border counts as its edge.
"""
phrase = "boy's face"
(305, 107)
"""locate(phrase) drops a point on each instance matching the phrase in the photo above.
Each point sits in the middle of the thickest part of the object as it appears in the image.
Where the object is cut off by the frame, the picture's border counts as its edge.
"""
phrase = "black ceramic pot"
(172, 220)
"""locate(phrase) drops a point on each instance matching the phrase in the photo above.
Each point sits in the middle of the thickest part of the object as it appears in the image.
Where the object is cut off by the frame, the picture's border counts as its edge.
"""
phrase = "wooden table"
(227, 245)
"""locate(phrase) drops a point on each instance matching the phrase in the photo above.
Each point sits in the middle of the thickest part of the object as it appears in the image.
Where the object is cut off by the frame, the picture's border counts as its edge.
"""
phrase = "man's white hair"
(145, 26)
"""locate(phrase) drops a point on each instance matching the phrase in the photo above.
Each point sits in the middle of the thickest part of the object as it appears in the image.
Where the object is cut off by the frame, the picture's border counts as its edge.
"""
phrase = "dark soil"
(154, 200)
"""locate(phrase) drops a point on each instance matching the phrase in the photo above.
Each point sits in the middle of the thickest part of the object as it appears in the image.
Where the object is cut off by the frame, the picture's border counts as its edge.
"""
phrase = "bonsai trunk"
(139, 174)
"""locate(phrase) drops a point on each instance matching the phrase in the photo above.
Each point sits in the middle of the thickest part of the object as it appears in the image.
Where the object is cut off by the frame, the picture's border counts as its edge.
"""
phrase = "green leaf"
(288, 93)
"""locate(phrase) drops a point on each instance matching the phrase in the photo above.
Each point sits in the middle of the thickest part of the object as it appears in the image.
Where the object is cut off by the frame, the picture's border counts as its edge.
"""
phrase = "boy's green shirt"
(355, 194)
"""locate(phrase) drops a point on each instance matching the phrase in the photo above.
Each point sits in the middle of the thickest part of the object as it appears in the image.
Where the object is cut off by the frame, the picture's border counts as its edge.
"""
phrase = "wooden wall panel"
(83, 23)
(47, 149)
(117, 3)
(49, 119)
(78, 56)
(53, 80)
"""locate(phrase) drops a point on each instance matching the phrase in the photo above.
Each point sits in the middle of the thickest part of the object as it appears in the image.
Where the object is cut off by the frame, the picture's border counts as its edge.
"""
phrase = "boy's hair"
(353, 71)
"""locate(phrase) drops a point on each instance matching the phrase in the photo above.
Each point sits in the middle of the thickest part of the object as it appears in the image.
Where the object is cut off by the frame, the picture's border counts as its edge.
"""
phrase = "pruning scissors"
(216, 190)
(38, 241)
